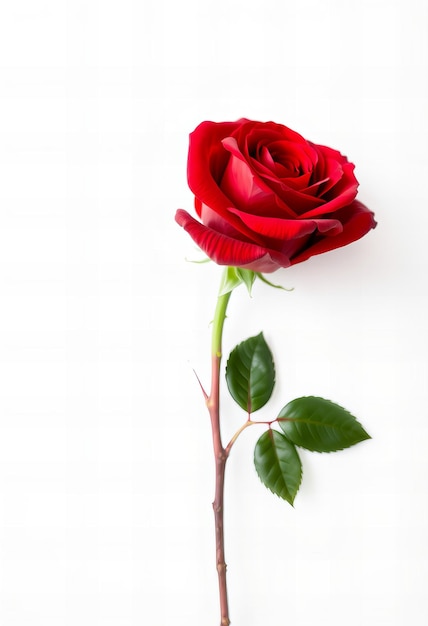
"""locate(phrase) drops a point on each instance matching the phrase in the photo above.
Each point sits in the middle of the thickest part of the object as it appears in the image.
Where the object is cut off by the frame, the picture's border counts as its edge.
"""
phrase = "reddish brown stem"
(219, 536)
(220, 455)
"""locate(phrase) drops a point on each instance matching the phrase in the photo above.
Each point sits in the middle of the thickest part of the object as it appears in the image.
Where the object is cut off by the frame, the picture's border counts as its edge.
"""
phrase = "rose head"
(267, 198)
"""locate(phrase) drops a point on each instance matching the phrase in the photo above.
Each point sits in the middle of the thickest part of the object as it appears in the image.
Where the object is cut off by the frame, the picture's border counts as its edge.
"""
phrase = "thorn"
(200, 385)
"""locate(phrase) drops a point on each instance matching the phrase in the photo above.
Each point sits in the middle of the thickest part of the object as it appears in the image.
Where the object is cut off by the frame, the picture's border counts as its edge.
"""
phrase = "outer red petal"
(285, 229)
(207, 160)
(204, 148)
(225, 250)
(340, 195)
(357, 220)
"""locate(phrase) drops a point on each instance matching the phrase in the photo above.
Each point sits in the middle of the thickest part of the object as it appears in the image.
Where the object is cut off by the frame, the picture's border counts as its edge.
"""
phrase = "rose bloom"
(267, 198)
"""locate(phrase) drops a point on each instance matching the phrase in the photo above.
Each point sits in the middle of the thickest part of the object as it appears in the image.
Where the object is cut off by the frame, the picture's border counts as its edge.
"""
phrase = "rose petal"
(266, 158)
(212, 220)
(330, 153)
(225, 250)
(332, 172)
(357, 220)
(302, 203)
(346, 191)
(262, 134)
(298, 183)
(203, 178)
(284, 229)
(227, 224)
(238, 180)
(315, 189)
(261, 193)
(347, 181)
(298, 158)
(291, 197)
(263, 180)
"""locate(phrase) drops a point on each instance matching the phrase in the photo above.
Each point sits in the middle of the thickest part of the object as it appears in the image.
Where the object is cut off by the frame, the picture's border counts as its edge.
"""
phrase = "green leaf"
(320, 425)
(278, 465)
(250, 373)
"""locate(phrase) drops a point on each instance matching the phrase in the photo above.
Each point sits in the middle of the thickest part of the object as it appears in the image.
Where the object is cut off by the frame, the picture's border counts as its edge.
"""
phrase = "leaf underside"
(278, 464)
(320, 425)
(250, 373)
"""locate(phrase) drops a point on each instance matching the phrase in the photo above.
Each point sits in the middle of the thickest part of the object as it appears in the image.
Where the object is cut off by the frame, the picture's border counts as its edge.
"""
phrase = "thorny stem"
(221, 454)
(213, 404)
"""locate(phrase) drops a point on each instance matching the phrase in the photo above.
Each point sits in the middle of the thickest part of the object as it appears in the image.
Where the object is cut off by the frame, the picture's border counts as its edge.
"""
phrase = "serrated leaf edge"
(291, 499)
(297, 420)
(242, 370)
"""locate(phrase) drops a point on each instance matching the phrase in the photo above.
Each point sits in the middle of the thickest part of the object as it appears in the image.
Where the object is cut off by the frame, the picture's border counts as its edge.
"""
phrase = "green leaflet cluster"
(312, 423)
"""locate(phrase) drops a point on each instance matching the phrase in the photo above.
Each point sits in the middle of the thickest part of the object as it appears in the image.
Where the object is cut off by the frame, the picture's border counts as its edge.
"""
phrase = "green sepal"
(267, 282)
(235, 276)
(248, 277)
(202, 258)
(198, 262)
(250, 373)
(320, 425)
(278, 465)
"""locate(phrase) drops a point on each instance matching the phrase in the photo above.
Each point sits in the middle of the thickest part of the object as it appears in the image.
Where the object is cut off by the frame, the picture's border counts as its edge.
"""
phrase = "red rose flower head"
(268, 198)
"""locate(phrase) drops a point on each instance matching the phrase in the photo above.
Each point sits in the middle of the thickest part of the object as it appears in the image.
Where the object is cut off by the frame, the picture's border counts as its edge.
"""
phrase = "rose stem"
(220, 454)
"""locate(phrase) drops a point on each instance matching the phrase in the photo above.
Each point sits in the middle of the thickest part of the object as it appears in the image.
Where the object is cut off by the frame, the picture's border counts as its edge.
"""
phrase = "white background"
(105, 454)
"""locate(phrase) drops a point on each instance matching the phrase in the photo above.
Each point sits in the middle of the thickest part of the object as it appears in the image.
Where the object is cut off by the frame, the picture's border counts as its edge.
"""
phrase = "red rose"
(267, 198)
